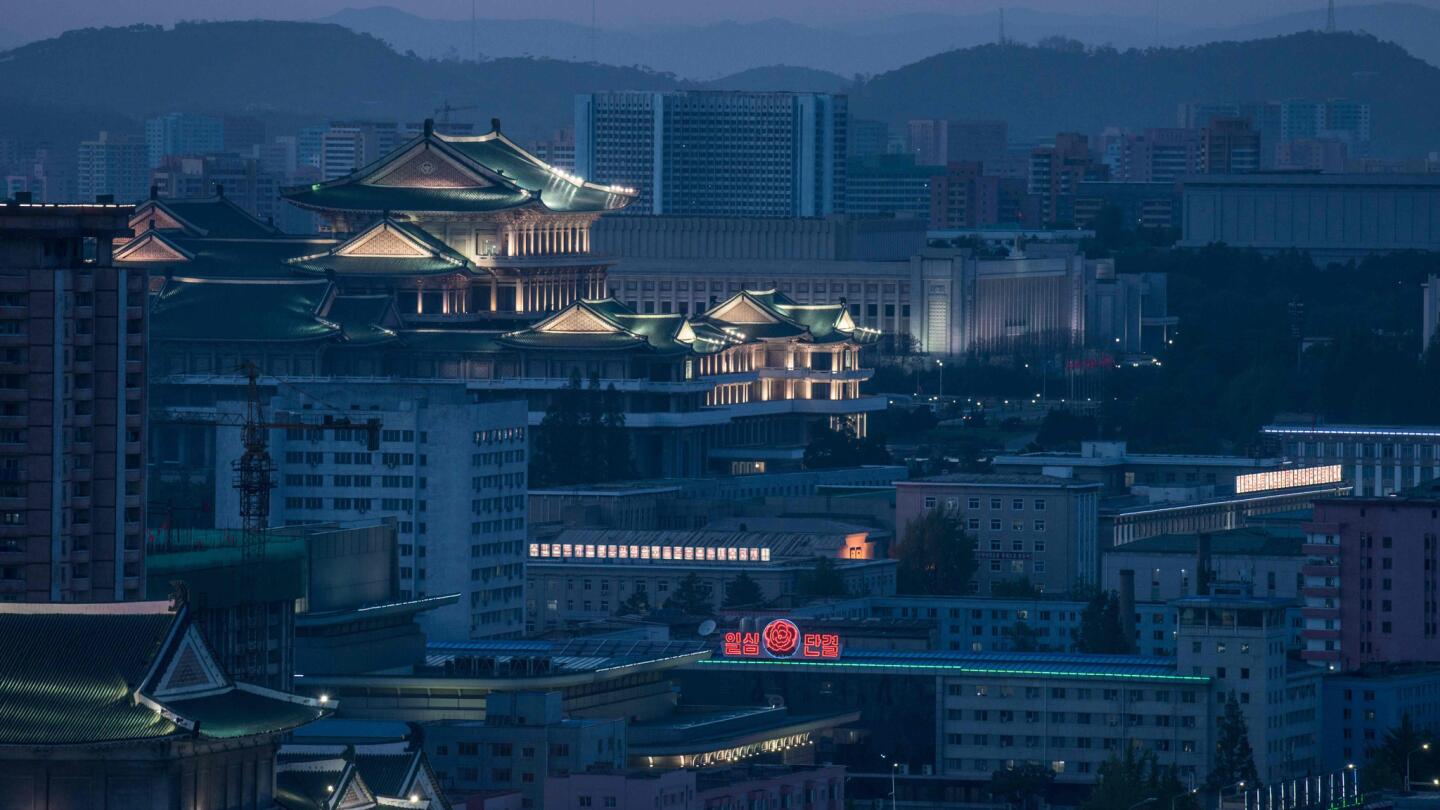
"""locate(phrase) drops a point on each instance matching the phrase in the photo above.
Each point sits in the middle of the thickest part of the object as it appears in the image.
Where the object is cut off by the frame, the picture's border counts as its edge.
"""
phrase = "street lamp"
(1220, 797)
(941, 364)
(1141, 803)
(894, 766)
(1423, 747)
(1177, 796)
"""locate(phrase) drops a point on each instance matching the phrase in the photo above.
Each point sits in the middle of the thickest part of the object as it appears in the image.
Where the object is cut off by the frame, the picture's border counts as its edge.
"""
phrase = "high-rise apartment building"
(72, 407)
(112, 165)
(1055, 174)
(1370, 585)
(1229, 146)
(183, 135)
(962, 196)
(937, 142)
(449, 471)
(1155, 155)
(711, 153)
(888, 186)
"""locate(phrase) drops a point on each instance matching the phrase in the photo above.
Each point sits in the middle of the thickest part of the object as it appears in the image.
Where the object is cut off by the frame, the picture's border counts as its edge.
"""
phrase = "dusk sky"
(34, 18)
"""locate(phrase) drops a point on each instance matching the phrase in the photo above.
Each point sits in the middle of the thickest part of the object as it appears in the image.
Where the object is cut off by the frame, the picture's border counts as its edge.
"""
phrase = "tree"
(1023, 786)
(936, 557)
(743, 590)
(1385, 763)
(1024, 638)
(1130, 779)
(692, 597)
(1234, 760)
(1021, 588)
(1101, 630)
(830, 448)
(615, 448)
(823, 580)
(561, 432)
(636, 604)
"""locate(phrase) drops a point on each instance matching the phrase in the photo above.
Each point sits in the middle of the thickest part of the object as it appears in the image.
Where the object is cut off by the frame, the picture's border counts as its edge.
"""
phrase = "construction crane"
(442, 113)
(254, 479)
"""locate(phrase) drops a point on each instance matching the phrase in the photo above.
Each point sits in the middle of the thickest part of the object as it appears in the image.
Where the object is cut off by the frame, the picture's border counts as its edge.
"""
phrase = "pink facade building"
(798, 788)
(1371, 580)
(72, 406)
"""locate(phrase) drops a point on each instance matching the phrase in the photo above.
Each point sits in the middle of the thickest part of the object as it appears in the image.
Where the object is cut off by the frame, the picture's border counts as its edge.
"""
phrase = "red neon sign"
(781, 639)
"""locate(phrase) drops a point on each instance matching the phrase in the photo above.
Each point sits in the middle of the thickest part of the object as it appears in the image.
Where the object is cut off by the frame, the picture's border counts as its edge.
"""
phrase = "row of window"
(1035, 741)
(1065, 693)
(996, 503)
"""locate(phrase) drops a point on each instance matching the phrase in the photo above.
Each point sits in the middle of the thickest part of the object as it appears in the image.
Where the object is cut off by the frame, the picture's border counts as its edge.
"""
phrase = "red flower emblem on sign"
(781, 637)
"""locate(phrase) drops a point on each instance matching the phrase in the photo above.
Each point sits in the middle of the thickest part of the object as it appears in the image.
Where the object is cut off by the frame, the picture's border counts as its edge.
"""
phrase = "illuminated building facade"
(1376, 459)
(466, 261)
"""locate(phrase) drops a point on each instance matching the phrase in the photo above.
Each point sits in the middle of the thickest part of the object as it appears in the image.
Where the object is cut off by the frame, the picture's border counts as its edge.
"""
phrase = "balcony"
(1320, 634)
(1320, 655)
(1319, 613)
(1320, 591)
(1320, 549)
(1321, 570)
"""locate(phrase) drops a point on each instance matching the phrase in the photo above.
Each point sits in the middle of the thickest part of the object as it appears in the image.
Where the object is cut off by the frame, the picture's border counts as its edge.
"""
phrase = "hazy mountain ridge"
(847, 48)
(1044, 90)
(310, 71)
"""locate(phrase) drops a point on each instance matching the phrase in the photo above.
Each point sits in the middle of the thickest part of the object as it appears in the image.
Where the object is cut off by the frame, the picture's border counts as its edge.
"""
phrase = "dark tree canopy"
(830, 448)
(1131, 778)
(823, 580)
(1101, 630)
(582, 439)
(743, 590)
(936, 556)
(1234, 759)
(692, 597)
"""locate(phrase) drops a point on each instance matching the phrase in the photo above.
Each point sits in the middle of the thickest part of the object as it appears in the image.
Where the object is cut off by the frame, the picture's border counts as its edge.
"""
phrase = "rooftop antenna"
(1002, 25)
(1330, 18)
(474, 54)
(592, 30)
(1157, 23)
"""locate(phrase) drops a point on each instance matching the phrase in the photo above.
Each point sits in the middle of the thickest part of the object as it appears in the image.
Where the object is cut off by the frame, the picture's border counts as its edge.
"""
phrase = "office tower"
(711, 153)
(1154, 155)
(1055, 174)
(1229, 146)
(72, 412)
(888, 185)
(963, 197)
(868, 138)
(183, 134)
(112, 165)
(348, 145)
(937, 142)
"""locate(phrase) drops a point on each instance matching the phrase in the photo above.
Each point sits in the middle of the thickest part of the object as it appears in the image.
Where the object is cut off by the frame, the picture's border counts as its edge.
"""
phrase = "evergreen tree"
(1101, 630)
(561, 432)
(1385, 763)
(636, 604)
(692, 597)
(937, 556)
(742, 591)
(1023, 786)
(615, 452)
(1024, 638)
(1132, 778)
(1234, 760)
(822, 581)
(830, 448)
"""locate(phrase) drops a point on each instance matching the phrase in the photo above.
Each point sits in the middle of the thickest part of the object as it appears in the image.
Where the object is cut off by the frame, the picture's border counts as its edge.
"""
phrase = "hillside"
(281, 68)
(783, 77)
(1414, 27)
(1044, 90)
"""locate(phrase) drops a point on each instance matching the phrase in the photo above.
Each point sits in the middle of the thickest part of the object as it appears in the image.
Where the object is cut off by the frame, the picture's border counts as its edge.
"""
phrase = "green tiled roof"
(238, 713)
(443, 259)
(378, 199)
(362, 318)
(67, 678)
(386, 774)
(305, 790)
(502, 156)
(217, 218)
(450, 340)
(77, 675)
(260, 258)
(271, 310)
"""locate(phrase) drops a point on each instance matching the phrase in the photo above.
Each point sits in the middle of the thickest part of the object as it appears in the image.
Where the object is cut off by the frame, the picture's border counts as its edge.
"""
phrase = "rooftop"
(1251, 541)
(1000, 480)
(1396, 431)
(930, 663)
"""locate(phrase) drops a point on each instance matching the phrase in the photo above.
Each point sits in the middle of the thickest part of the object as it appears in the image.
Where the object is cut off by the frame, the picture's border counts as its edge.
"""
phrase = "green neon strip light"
(1049, 673)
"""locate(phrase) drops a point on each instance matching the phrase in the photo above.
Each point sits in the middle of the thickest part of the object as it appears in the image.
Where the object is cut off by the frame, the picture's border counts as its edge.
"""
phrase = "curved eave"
(381, 210)
(210, 338)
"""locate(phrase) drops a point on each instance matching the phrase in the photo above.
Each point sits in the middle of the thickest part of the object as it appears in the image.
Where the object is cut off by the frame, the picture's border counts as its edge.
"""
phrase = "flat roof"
(1135, 504)
(1252, 541)
(1000, 480)
(953, 663)
(1177, 459)
(1395, 431)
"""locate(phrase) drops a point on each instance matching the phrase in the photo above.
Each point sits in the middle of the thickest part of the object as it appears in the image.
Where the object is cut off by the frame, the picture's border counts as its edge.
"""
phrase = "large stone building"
(942, 300)
(1375, 459)
(72, 420)
(1330, 216)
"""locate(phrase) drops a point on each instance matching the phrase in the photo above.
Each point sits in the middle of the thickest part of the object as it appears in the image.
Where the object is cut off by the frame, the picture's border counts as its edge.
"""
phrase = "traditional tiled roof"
(95, 674)
(271, 310)
(160, 253)
(210, 217)
(388, 774)
(437, 173)
(607, 324)
(364, 320)
(389, 247)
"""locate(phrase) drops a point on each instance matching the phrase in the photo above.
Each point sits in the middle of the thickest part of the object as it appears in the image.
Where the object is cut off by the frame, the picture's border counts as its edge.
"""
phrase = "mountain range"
(847, 48)
(75, 84)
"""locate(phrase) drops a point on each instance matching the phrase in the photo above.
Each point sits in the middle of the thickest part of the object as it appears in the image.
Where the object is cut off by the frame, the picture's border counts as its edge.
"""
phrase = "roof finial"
(429, 127)
(154, 192)
(494, 124)
(220, 190)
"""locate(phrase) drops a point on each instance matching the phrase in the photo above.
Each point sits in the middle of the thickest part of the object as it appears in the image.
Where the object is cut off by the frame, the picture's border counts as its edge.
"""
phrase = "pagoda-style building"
(125, 705)
(467, 260)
